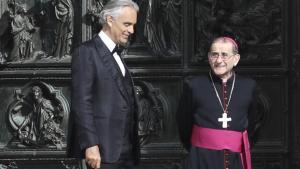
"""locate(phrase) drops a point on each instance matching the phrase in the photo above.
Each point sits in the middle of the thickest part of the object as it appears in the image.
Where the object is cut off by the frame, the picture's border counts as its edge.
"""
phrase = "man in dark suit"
(104, 107)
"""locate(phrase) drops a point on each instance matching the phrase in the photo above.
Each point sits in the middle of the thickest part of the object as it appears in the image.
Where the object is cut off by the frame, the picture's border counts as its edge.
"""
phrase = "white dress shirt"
(111, 45)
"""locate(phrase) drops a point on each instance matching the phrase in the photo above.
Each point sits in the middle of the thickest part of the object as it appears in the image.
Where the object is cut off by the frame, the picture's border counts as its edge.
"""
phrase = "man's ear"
(237, 59)
(109, 20)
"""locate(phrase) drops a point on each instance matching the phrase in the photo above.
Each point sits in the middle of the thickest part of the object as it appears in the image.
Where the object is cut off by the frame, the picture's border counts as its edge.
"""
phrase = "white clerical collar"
(107, 41)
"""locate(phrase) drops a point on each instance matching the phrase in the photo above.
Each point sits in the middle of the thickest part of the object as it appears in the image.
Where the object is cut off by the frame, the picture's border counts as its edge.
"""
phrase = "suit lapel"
(110, 63)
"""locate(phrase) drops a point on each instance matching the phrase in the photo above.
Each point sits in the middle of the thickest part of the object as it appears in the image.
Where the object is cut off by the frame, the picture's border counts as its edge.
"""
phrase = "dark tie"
(118, 49)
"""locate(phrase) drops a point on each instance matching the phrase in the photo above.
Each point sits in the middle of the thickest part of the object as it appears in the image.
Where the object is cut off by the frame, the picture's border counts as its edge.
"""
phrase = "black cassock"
(200, 105)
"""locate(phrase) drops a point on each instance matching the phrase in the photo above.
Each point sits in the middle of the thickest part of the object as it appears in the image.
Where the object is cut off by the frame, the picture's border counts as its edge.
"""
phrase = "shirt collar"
(219, 80)
(107, 41)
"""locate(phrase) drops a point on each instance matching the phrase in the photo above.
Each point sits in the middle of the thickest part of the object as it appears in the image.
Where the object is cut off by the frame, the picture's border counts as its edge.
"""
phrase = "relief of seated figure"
(36, 121)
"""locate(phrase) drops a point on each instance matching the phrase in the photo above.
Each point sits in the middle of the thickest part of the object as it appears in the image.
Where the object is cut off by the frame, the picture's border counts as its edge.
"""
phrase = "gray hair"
(113, 8)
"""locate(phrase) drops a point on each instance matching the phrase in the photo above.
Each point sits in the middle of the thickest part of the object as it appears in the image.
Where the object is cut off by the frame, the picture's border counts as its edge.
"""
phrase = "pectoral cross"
(224, 120)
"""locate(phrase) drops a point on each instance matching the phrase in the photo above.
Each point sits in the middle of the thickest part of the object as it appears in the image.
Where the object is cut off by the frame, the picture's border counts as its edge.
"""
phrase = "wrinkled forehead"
(220, 46)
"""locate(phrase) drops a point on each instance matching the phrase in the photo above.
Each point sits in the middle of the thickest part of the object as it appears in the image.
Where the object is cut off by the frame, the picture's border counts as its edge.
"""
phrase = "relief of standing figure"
(22, 30)
(162, 27)
(171, 17)
(64, 28)
(154, 36)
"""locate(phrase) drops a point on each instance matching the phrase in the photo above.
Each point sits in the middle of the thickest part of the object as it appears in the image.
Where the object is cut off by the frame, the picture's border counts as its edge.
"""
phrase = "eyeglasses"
(215, 55)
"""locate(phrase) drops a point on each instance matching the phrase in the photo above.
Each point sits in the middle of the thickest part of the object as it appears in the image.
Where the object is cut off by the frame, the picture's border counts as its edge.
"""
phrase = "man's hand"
(92, 157)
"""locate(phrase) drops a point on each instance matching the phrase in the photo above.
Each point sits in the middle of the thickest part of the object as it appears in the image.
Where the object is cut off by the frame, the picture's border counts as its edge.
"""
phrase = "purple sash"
(223, 139)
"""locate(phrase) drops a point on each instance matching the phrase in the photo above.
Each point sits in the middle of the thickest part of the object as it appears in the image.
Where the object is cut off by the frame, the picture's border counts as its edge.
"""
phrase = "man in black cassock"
(216, 111)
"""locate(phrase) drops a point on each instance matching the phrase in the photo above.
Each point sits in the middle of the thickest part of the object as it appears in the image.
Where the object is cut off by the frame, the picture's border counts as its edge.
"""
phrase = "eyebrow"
(128, 23)
(219, 52)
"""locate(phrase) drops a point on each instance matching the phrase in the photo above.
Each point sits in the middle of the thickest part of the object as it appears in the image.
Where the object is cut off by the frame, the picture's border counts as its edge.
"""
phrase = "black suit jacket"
(99, 105)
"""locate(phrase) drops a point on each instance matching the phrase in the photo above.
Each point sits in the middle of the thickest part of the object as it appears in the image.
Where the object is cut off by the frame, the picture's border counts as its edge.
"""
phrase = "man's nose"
(219, 59)
(131, 29)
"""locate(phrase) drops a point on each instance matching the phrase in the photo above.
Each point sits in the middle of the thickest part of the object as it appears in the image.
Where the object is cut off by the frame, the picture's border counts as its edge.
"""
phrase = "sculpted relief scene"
(37, 116)
(256, 26)
(36, 31)
(43, 30)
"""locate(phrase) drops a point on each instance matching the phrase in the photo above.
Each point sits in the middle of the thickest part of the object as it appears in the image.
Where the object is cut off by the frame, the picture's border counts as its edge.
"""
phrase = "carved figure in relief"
(36, 120)
(154, 36)
(171, 17)
(150, 120)
(162, 26)
(64, 28)
(47, 21)
(21, 29)
(42, 110)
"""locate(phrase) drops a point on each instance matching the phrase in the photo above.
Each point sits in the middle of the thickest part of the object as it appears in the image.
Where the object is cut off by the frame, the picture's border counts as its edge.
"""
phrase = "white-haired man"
(104, 109)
